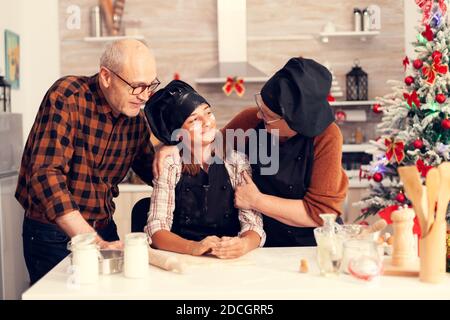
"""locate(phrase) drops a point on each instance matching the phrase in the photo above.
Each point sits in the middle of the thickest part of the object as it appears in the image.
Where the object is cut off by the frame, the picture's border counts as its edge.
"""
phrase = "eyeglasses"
(137, 90)
(259, 103)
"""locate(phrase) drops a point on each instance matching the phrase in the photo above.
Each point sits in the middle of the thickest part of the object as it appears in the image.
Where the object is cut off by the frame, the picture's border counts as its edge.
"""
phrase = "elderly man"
(88, 132)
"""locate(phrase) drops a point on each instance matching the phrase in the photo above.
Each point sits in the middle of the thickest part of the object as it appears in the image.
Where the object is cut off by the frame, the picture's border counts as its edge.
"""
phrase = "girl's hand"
(231, 248)
(205, 246)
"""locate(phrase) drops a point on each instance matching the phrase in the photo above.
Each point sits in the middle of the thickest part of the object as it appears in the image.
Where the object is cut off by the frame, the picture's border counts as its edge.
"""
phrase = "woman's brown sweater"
(329, 183)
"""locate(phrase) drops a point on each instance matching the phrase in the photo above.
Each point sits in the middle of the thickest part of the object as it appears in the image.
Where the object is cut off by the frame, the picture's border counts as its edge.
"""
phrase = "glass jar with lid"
(85, 258)
(136, 255)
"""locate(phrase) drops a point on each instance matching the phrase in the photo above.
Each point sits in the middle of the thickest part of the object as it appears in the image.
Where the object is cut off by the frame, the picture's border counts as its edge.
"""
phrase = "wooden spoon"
(444, 191)
(414, 191)
(432, 182)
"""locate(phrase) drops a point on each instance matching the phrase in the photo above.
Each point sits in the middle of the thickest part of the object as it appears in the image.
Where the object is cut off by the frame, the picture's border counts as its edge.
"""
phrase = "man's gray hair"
(112, 57)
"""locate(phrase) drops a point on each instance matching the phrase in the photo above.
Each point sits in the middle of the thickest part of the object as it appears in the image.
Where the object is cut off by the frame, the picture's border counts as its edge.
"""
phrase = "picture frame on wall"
(12, 59)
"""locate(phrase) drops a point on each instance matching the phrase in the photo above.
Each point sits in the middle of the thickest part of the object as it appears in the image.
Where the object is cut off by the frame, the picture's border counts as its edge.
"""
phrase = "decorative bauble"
(418, 63)
(440, 98)
(340, 116)
(418, 144)
(400, 197)
(377, 177)
(409, 80)
(436, 54)
(445, 124)
(377, 108)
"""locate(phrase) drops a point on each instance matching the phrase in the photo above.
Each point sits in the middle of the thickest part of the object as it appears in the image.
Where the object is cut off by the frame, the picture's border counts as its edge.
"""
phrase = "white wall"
(36, 22)
(412, 19)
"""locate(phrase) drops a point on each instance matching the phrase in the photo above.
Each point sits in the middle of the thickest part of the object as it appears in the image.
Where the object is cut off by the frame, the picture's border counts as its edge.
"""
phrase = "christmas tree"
(415, 127)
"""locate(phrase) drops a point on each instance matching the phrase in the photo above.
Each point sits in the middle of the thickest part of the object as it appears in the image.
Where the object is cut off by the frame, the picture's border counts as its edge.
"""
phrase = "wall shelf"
(353, 103)
(356, 147)
(112, 38)
(362, 35)
(296, 37)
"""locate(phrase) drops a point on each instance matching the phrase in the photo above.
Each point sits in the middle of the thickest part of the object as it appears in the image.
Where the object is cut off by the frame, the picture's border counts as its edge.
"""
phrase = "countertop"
(265, 273)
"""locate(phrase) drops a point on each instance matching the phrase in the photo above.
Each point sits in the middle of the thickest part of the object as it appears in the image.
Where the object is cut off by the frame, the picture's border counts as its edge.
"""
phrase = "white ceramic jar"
(136, 255)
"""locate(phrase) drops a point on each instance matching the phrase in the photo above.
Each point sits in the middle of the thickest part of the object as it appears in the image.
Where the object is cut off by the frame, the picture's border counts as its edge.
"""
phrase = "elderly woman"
(310, 179)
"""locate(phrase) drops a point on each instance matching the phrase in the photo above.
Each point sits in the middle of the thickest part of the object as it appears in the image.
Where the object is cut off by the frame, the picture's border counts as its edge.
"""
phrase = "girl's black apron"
(204, 205)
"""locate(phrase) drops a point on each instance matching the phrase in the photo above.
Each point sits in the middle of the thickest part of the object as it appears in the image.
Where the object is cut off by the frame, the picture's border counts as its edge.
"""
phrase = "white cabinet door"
(14, 275)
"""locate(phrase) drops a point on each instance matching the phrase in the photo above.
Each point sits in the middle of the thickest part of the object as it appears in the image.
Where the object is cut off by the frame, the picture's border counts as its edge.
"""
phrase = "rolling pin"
(165, 261)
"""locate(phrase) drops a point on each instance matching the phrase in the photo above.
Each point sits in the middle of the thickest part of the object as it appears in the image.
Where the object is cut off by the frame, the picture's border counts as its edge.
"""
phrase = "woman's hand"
(247, 194)
(231, 248)
(208, 244)
(161, 155)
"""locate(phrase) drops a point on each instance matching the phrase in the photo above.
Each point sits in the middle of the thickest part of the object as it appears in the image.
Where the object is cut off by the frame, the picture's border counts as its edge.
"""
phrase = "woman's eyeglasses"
(137, 90)
(259, 103)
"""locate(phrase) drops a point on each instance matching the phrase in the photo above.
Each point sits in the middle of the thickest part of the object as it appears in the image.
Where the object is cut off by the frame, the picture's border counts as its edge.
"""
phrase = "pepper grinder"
(403, 247)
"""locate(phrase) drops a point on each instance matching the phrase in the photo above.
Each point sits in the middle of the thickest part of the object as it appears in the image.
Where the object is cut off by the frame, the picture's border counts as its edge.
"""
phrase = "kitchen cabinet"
(128, 196)
(14, 278)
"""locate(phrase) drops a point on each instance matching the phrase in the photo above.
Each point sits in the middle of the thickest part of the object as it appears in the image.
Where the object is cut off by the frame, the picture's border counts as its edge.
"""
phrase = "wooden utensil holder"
(432, 254)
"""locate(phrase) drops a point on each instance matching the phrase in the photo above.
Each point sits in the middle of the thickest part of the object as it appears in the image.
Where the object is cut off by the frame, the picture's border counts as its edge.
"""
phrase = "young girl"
(192, 207)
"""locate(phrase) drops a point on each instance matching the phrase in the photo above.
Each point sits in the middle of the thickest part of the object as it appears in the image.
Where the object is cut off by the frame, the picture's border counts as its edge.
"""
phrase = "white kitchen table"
(266, 273)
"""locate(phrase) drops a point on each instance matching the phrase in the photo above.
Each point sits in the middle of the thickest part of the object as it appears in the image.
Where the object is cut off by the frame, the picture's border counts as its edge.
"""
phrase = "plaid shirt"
(162, 205)
(78, 152)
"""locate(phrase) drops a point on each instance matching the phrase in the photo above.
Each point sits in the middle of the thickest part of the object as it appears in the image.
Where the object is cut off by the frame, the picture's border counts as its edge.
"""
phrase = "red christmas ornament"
(341, 116)
(377, 177)
(405, 62)
(364, 223)
(440, 98)
(418, 144)
(409, 80)
(234, 84)
(436, 54)
(412, 99)
(445, 124)
(418, 63)
(430, 71)
(400, 197)
(428, 33)
(377, 108)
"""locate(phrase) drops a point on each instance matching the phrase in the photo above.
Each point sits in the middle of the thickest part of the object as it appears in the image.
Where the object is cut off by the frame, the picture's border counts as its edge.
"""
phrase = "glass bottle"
(359, 136)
